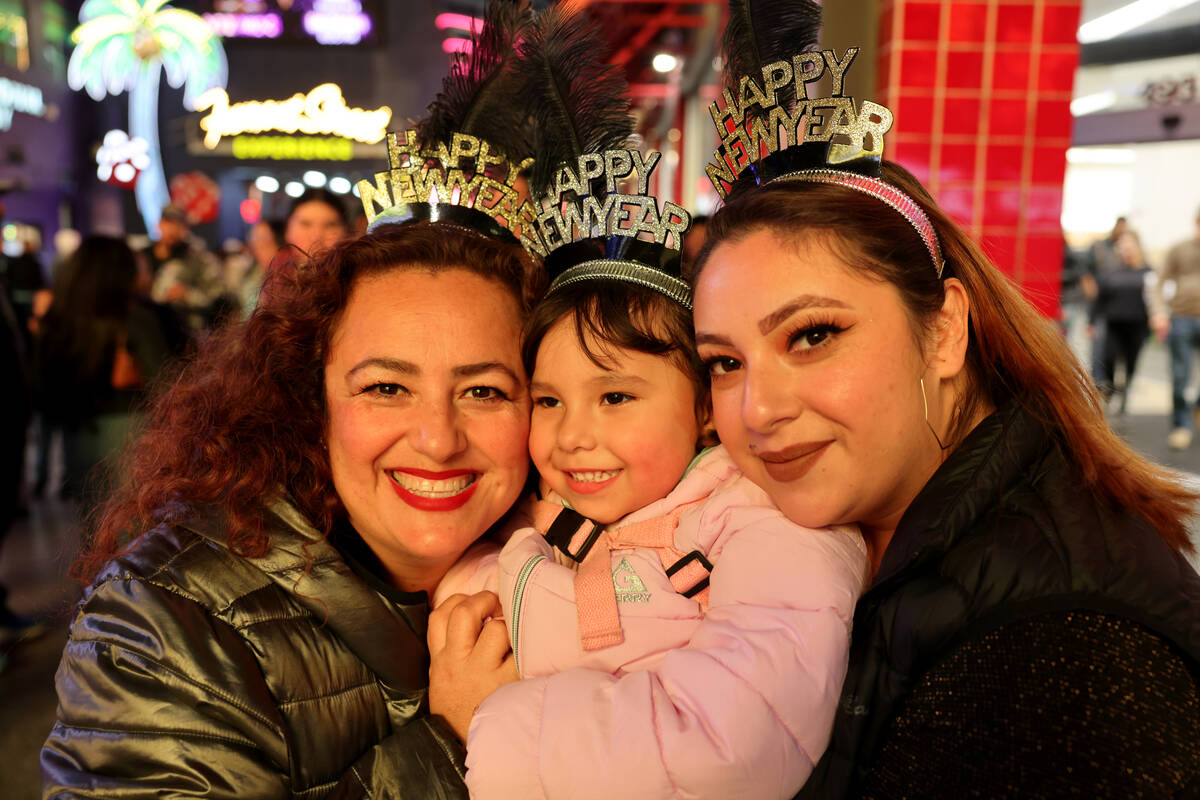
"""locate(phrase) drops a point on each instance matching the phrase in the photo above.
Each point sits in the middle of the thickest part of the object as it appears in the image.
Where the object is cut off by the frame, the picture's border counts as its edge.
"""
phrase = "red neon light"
(461, 22)
(453, 45)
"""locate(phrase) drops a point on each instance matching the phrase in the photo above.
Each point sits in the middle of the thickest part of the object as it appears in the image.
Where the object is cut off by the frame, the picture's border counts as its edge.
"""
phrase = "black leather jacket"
(191, 671)
(1005, 531)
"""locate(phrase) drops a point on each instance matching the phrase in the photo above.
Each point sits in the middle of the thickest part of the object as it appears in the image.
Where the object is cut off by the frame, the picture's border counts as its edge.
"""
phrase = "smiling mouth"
(434, 489)
(793, 463)
(594, 476)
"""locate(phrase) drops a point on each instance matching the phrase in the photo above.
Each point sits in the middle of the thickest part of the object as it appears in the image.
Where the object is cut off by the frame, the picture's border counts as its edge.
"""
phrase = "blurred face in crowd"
(171, 232)
(428, 415)
(314, 226)
(261, 243)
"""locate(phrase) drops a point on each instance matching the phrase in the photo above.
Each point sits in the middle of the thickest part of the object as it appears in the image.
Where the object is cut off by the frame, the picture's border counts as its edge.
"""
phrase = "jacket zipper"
(518, 595)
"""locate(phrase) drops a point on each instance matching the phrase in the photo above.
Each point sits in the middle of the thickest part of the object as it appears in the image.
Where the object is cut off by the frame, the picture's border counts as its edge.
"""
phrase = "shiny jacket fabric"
(735, 700)
(191, 671)
(1006, 530)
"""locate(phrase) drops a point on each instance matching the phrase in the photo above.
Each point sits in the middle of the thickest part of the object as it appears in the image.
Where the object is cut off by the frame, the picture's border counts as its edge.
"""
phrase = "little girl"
(677, 635)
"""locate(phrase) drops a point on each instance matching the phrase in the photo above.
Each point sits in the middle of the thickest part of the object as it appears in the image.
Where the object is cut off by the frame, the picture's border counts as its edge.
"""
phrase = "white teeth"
(593, 477)
(424, 487)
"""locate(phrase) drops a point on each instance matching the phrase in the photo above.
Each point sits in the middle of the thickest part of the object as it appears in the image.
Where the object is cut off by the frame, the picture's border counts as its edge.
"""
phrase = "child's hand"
(470, 657)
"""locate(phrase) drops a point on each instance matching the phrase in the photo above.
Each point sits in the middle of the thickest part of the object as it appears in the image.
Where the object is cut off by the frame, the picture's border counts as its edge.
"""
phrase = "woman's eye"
(385, 389)
(486, 393)
(813, 336)
(546, 402)
(722, 365)
(615, 398)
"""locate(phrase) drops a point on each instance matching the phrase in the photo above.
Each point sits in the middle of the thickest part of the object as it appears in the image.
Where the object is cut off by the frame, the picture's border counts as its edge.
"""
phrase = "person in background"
(1100, 258)
(1120, 305)
(46, 439)
(1073, 320)
(316, 221)
(263, 242)
(23, 279)
(184, 275)
(98, 346)
(1178, 322)
(13, 427)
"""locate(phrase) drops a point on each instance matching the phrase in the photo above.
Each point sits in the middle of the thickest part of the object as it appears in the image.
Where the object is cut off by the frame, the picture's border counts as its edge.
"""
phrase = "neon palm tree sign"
(124, 45)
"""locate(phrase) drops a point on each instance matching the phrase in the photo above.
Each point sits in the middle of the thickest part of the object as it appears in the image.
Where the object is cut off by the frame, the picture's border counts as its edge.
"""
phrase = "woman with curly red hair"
(260, 581)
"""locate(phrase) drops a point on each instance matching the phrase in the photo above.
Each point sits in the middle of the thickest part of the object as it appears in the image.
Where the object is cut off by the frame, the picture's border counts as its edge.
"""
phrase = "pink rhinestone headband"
(889, 194)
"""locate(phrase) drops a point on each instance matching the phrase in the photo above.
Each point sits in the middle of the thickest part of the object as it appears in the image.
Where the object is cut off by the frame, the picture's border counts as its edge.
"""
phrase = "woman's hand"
(470, 657)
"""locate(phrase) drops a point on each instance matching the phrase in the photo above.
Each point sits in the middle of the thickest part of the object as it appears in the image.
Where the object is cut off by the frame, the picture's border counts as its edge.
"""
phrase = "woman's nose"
(768, 399)
(437, 432)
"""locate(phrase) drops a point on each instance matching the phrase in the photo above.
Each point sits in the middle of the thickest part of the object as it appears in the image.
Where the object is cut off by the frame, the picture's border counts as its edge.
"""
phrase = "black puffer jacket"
(1004, 532)
(191, 671)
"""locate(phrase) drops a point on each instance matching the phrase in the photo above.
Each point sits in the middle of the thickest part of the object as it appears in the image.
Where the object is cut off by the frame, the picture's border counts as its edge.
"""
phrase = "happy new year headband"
(596, 216)
(770, 130)
(463, 164)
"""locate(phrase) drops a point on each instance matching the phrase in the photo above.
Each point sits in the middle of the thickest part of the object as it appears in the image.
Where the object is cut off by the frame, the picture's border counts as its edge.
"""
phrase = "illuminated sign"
(121, 159)
(337, 22)
(321, 111)
(249, 26)
(21, 97)
(293, 148)
(14, 36)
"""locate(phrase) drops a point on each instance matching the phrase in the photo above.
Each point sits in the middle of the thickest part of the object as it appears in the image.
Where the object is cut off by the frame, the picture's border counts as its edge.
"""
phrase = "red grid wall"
(981, 92)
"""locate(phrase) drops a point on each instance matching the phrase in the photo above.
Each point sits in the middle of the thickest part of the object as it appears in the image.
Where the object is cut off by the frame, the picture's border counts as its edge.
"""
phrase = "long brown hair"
(244, 422)
(1013, 353)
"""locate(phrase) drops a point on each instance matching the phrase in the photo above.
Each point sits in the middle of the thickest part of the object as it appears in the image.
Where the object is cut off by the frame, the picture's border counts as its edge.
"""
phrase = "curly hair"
(244, 422)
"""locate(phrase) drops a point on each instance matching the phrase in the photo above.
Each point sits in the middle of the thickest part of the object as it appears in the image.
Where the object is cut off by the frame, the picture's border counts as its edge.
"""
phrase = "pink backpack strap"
(590, 545)
(688, 572)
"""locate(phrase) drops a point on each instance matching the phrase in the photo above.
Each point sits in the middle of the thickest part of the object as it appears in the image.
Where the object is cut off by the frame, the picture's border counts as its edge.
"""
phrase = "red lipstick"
(447, 503)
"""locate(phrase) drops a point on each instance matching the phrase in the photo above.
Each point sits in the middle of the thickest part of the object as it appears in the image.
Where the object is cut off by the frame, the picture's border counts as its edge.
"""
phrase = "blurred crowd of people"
(1120, 300)
(87, 337)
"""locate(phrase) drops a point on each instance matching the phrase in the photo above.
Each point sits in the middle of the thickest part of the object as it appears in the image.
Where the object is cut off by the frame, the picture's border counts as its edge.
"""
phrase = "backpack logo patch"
(629, 587)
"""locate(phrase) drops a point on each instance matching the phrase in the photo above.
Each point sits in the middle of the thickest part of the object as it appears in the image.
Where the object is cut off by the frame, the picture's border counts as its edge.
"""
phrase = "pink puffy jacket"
(737, 700)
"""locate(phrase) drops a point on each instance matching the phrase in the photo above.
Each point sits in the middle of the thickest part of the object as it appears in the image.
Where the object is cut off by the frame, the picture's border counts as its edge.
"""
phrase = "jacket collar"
(1000, 449)
(334, 594)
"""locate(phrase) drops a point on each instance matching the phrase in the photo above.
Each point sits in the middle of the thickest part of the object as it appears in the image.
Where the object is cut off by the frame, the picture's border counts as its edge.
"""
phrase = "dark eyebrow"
(712, 338)
(409, 368)
(393, 364)
(772, 321)
(471, 370)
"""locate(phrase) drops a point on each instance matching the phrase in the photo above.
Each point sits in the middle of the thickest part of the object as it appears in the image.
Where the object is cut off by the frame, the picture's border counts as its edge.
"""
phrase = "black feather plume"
(578, 101)
(762, 31)
(477, 93)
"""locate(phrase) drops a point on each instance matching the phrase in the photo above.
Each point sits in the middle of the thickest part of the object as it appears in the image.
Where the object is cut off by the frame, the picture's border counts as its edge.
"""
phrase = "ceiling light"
(265, 183)
(1091, 103)
(664, 62)
(1100, 155)
(339, 185)
(1126, 18)
(314, 178)
(294, 188)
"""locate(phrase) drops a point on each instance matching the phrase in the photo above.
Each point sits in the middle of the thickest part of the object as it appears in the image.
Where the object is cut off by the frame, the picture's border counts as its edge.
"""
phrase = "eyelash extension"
(813, 325)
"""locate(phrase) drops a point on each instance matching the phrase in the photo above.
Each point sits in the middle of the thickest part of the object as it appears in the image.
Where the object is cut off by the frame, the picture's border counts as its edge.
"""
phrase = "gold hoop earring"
(929, 424)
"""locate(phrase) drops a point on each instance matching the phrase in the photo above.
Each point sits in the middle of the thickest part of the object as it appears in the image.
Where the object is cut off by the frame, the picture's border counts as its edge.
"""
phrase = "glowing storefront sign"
(321, 111)
(21, 97)
(14, 33)
(293, 148)
(249, 26)
(337, 22)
